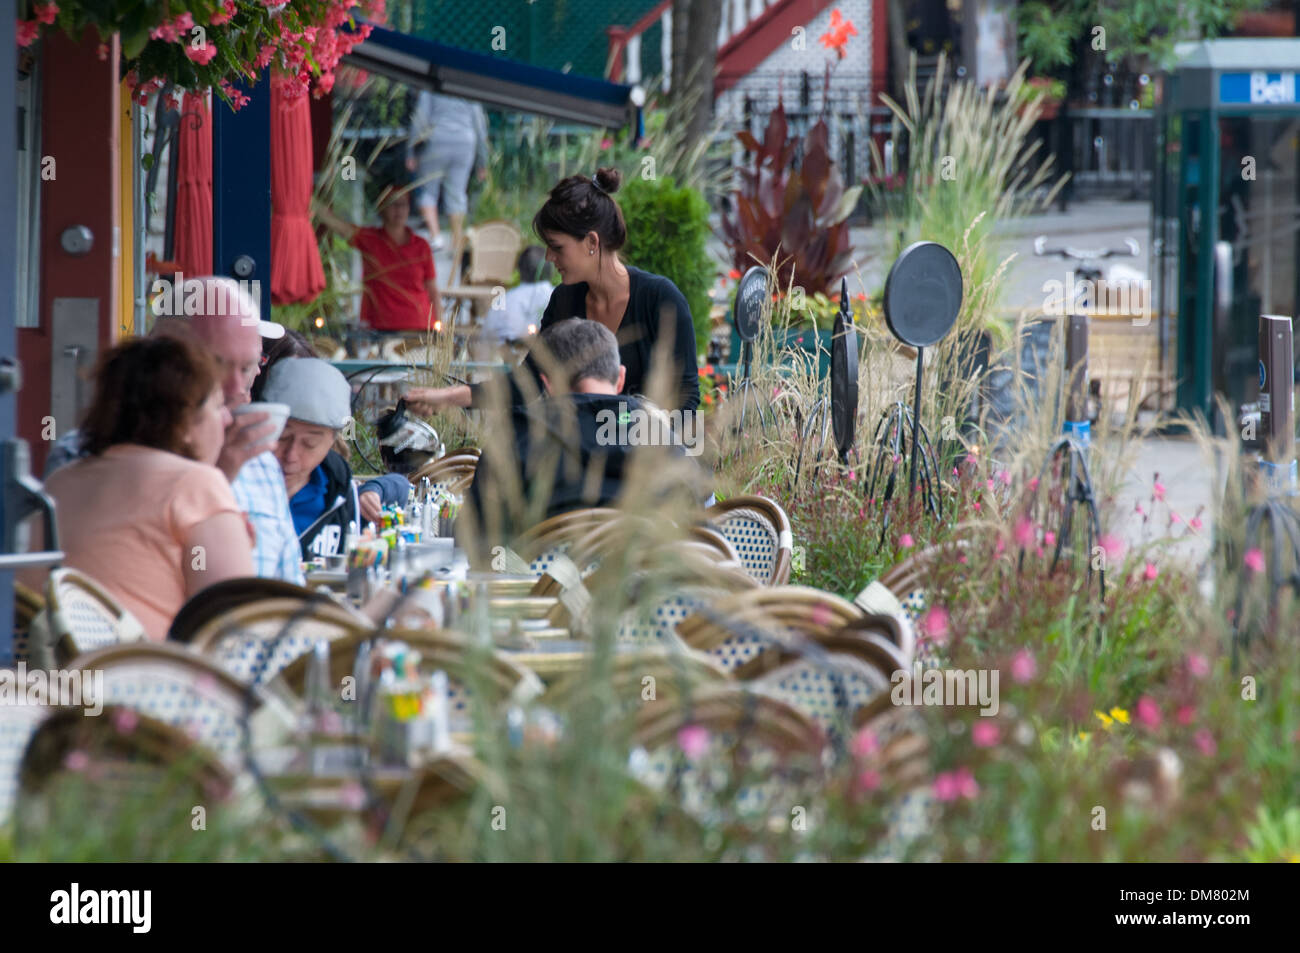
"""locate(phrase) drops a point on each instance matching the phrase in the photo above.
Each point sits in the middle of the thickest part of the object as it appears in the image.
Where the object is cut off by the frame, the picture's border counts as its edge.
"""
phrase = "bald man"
(230, 326)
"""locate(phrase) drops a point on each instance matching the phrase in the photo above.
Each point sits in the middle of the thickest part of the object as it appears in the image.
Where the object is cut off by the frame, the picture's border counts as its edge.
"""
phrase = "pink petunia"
(1254, 560)
(865, 744)
(905, 541)
(1148, 712)
(1205, 743)
(933, 624)
(985, 734)
(1023, 667)
(1150, 573)
(693, 740)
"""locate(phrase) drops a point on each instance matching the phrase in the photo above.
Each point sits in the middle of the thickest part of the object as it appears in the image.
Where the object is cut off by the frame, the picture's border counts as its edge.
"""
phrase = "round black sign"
(751, 296)
(844, 381)
(923, 294)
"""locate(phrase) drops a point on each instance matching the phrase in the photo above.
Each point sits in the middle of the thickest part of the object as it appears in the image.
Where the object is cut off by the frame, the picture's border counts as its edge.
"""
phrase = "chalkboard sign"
(844, 375)
(751, 297)
(923, 294)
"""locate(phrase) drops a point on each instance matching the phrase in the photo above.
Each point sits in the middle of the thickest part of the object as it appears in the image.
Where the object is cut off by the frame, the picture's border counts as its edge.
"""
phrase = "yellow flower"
(1120, 715)
(1084, 735)
(1106, 720)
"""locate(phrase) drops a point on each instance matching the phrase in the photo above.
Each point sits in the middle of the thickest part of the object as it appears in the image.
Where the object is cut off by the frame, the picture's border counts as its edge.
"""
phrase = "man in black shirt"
(576, 446)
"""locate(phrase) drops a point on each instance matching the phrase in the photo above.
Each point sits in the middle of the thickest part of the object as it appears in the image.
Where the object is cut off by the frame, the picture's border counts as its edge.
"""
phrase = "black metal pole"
(916, 424)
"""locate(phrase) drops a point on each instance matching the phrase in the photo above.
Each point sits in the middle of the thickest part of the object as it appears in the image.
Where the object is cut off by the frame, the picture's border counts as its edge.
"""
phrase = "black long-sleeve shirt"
(654, 306)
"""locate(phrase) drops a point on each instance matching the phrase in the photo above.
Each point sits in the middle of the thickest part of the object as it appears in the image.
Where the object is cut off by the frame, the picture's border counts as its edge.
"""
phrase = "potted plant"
(1048, 92)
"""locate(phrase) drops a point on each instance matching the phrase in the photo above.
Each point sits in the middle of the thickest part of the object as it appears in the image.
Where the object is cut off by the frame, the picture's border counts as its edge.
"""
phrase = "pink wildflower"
(1148, 712)
(1186, 714)
(1254, 560)
(125, 721)
(1024, 532)
(868, 780)
(1194, 522)
(1198, 665)
(933, 624)
(46, 12)
(76, 761)
(27, 31)
(1159, 490)
(1023, 667)
(865, 744)
(985, 734)
(1205, 743)
(693, 740)
(906, 541)
(1150, 573)
(1049, 538)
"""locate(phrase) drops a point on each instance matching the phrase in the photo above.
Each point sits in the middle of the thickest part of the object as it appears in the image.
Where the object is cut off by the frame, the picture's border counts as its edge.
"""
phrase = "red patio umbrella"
(296, 272)
(192, 248)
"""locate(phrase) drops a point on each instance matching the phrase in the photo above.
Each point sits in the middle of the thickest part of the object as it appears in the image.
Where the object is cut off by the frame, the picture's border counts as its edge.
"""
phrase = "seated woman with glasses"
(146, 513)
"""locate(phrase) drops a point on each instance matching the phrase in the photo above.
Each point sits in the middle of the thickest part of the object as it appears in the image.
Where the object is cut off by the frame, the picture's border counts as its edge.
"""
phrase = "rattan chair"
(179, 687)
(83, 617)
(733, 713)
(256, 640)
(29, 605)
(739, 628)
(228, 594)
(555, 536)
(829, 687)
(128, 756)
(673, 676)
(454, 474)
(759, 531)
(17, 725)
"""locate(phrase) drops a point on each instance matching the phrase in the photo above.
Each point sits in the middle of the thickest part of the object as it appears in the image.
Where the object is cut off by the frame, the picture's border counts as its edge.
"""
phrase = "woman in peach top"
(147, 514)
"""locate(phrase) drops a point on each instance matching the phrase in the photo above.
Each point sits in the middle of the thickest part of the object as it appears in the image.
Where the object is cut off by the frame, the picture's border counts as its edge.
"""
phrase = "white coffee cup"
(279, 414)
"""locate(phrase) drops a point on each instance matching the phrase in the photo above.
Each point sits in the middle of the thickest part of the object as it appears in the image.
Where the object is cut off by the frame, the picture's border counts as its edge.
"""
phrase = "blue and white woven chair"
(745, 625)
(178, 687)
(255, 641)
(83, 617)
(553, 537)
(17, 725)
(759, 531)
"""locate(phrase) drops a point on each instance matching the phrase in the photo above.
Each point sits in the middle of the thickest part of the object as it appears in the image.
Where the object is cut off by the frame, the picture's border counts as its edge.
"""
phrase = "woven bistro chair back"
(83, 617)
(553, 537)
(741, 627)
(452, 473)
(17, 725)
(494, 248)
(176, 686)
(256, 640)
(29, 605)
(229, 594)
(733, 713)
(672, 674)
(759, 531)
(828, 687)
(129, 756)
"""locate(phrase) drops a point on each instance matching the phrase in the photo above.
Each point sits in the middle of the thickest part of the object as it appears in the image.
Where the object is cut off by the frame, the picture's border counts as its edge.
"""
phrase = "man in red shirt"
(400, 288)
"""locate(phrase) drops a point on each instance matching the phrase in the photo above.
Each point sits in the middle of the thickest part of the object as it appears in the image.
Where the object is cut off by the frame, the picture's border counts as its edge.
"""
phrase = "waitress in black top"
(583, 229)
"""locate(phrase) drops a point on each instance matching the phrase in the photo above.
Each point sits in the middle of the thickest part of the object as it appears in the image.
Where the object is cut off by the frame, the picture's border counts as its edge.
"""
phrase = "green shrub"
(667, 228)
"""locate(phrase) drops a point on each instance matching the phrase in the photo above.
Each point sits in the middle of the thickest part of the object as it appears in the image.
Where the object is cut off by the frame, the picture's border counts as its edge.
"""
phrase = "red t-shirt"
(394, 297)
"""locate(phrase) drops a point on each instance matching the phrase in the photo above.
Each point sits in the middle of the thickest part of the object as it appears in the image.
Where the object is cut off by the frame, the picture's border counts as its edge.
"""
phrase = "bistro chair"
(673, 676)
(541, 545)
(29, 607)
(83, 617)
(739, 628)
(17, 725)
(829, 687)
(493, 253)
(228, 594)
(178, 687)
(759, 531)
(128, 755)
(452, 473)
(255, 640)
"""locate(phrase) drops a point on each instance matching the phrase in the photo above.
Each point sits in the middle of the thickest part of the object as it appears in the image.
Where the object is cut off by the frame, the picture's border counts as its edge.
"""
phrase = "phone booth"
(1226, 217)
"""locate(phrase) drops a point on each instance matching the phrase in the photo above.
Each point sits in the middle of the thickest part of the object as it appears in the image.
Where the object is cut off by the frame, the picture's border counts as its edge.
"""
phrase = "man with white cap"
(323, 497)
(227, 321)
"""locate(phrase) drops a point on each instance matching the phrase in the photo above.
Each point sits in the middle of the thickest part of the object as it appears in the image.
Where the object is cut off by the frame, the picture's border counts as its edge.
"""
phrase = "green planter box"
(814, 342)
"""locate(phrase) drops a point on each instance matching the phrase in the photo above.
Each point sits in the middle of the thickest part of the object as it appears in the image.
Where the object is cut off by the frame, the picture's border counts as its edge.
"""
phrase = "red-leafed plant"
(797, 217)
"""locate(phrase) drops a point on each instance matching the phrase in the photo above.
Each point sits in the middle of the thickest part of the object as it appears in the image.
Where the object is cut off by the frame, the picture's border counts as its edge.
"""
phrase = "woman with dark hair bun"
(583, 229)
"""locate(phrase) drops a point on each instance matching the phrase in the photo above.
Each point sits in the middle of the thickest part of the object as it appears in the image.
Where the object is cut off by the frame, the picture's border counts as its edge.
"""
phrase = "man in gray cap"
(323, 497)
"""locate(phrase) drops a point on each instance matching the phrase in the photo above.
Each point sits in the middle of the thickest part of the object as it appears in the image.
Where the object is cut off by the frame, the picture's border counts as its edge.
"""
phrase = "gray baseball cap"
(315, 390)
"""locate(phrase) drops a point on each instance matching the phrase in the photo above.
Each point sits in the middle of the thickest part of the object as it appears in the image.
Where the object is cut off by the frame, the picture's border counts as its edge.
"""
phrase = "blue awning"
(492, 80)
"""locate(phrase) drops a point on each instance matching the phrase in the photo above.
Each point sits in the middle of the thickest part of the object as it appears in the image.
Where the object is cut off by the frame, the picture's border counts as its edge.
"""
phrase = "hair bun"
(608, 180)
